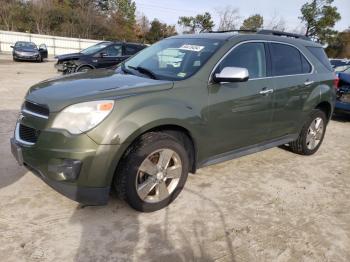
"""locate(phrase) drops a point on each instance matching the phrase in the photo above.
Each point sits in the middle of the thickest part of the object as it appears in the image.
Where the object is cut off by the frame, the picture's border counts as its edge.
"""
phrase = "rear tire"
(153, 172)
(311, 135)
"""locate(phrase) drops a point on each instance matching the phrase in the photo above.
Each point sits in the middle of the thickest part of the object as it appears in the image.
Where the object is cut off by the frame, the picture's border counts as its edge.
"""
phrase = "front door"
(240, 113)
(110, 56)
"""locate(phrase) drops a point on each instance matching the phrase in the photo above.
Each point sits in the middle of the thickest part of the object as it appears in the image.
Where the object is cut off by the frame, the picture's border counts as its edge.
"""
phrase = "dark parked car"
(339, 62)
(343, 92)
(101, 55)
(184, 103)
(28, 51)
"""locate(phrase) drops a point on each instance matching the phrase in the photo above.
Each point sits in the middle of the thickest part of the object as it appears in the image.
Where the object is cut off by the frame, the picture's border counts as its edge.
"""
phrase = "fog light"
(68, 170)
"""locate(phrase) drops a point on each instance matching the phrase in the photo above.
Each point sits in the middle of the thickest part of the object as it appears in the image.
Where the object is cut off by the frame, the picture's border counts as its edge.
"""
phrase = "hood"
(62, 91)
(68, 56)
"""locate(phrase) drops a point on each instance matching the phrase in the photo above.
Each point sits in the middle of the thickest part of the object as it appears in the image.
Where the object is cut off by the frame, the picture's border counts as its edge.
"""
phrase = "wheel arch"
(82, 65)
(178, 131)
(326, 107)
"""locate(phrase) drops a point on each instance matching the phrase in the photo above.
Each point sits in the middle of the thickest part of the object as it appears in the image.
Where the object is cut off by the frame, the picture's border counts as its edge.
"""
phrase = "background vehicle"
(343, 91)
(28, 51)
(164, 113)
(339, 62)
(101, 55)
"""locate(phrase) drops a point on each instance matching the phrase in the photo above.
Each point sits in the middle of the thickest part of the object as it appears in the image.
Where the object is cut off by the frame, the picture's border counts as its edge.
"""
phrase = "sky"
(168, 11)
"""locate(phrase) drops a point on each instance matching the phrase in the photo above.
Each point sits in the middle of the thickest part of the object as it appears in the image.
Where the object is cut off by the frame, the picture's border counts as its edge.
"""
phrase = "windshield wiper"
(144, 71)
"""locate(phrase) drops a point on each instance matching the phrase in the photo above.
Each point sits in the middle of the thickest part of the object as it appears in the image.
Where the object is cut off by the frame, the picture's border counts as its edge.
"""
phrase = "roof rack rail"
(280, 33)
(232, 31)
(263, 32)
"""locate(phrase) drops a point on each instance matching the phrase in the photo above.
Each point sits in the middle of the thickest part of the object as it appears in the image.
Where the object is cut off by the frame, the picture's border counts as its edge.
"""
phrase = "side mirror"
(103, 55)
(12, 46)
(232, 74)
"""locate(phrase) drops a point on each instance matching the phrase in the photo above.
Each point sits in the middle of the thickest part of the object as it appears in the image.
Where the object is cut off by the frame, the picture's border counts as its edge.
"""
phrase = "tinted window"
(286, 60)
(306, 65)
(130, 50)
(250, 56)
(321, 56)
(94, 49)
(113, 50)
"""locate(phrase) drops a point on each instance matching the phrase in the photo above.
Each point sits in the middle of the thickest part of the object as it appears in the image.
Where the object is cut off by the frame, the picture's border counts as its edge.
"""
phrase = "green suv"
(184, 103)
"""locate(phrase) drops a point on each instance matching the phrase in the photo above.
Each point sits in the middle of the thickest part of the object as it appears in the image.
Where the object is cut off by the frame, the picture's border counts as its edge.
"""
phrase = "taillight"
(336, 83)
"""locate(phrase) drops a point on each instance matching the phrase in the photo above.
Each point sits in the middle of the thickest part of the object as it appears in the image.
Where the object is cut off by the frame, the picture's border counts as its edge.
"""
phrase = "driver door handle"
(309, 83)
(266, 91)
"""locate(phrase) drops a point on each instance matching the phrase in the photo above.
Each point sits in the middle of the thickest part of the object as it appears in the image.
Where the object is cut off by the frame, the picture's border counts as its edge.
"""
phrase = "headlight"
(82, 117)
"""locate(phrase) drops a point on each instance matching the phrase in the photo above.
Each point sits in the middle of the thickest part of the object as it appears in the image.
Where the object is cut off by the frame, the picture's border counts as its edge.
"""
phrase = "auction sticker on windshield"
(195, 48)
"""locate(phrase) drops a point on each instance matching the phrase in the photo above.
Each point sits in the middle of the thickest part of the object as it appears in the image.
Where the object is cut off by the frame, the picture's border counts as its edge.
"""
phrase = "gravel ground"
(270, 206)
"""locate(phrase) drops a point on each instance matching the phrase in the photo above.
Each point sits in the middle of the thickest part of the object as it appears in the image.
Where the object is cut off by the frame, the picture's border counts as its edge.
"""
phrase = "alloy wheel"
(158, 175)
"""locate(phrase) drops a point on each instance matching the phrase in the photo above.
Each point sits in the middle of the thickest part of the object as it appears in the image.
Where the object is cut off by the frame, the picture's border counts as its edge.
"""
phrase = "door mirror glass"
(12, 46)
(232, 74)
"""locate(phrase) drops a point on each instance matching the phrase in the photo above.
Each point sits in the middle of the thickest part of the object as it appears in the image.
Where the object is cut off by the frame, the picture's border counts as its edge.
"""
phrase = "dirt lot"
(273, 205)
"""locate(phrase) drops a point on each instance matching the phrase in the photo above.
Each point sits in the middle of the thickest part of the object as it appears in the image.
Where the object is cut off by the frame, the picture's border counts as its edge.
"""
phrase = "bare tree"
(39, 10)
(6, 13)
(142, 26)
(276, 23)
(229, 18)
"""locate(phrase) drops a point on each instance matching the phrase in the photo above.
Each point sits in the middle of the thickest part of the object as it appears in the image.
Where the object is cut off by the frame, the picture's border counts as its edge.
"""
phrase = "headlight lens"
(82, 117)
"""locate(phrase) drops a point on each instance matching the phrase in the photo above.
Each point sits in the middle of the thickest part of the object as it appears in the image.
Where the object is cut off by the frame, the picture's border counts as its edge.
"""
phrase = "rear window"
(287, 60)
(321, 56)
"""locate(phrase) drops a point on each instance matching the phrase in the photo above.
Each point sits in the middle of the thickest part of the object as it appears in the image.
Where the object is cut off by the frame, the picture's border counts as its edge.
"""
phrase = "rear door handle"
(309, 83)
(266, 91)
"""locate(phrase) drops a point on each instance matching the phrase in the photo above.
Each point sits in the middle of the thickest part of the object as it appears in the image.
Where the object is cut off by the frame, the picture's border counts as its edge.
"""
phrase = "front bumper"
(98, 163)
(26, 58)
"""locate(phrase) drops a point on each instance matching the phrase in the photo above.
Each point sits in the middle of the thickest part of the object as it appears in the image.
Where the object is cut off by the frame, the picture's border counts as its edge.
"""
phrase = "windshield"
(29, 45)
(174, 58)
(93, 49)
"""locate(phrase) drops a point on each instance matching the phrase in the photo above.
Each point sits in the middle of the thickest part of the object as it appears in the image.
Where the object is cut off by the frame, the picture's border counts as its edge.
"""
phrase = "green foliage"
(339, 47)
(100, 19)
(253, 22)
(199, 23)
(319, 17)
(159, 31)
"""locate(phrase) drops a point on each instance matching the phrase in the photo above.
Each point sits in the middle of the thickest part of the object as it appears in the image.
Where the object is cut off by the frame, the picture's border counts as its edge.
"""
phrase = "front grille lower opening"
(28, 134)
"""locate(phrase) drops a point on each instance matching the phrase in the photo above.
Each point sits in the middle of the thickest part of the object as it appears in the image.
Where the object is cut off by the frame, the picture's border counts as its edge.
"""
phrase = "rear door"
(240, 113)
(291, 74)
(130, 50)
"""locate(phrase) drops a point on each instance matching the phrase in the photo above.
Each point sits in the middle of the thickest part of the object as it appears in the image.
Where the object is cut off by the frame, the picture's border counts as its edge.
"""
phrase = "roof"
(266, 35)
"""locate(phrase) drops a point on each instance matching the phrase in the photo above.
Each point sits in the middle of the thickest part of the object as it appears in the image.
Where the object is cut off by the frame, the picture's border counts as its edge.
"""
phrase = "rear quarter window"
(321, 56)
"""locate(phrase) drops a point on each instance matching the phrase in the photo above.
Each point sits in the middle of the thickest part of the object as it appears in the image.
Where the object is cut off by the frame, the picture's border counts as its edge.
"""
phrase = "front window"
(29, 45)
(113, 50)
(94, 49)
(250, 56)
(174, 59)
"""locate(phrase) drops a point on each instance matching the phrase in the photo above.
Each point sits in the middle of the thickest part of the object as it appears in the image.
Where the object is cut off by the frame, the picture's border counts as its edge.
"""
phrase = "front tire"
(153, 172)
(312, 134)
(84, 69)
